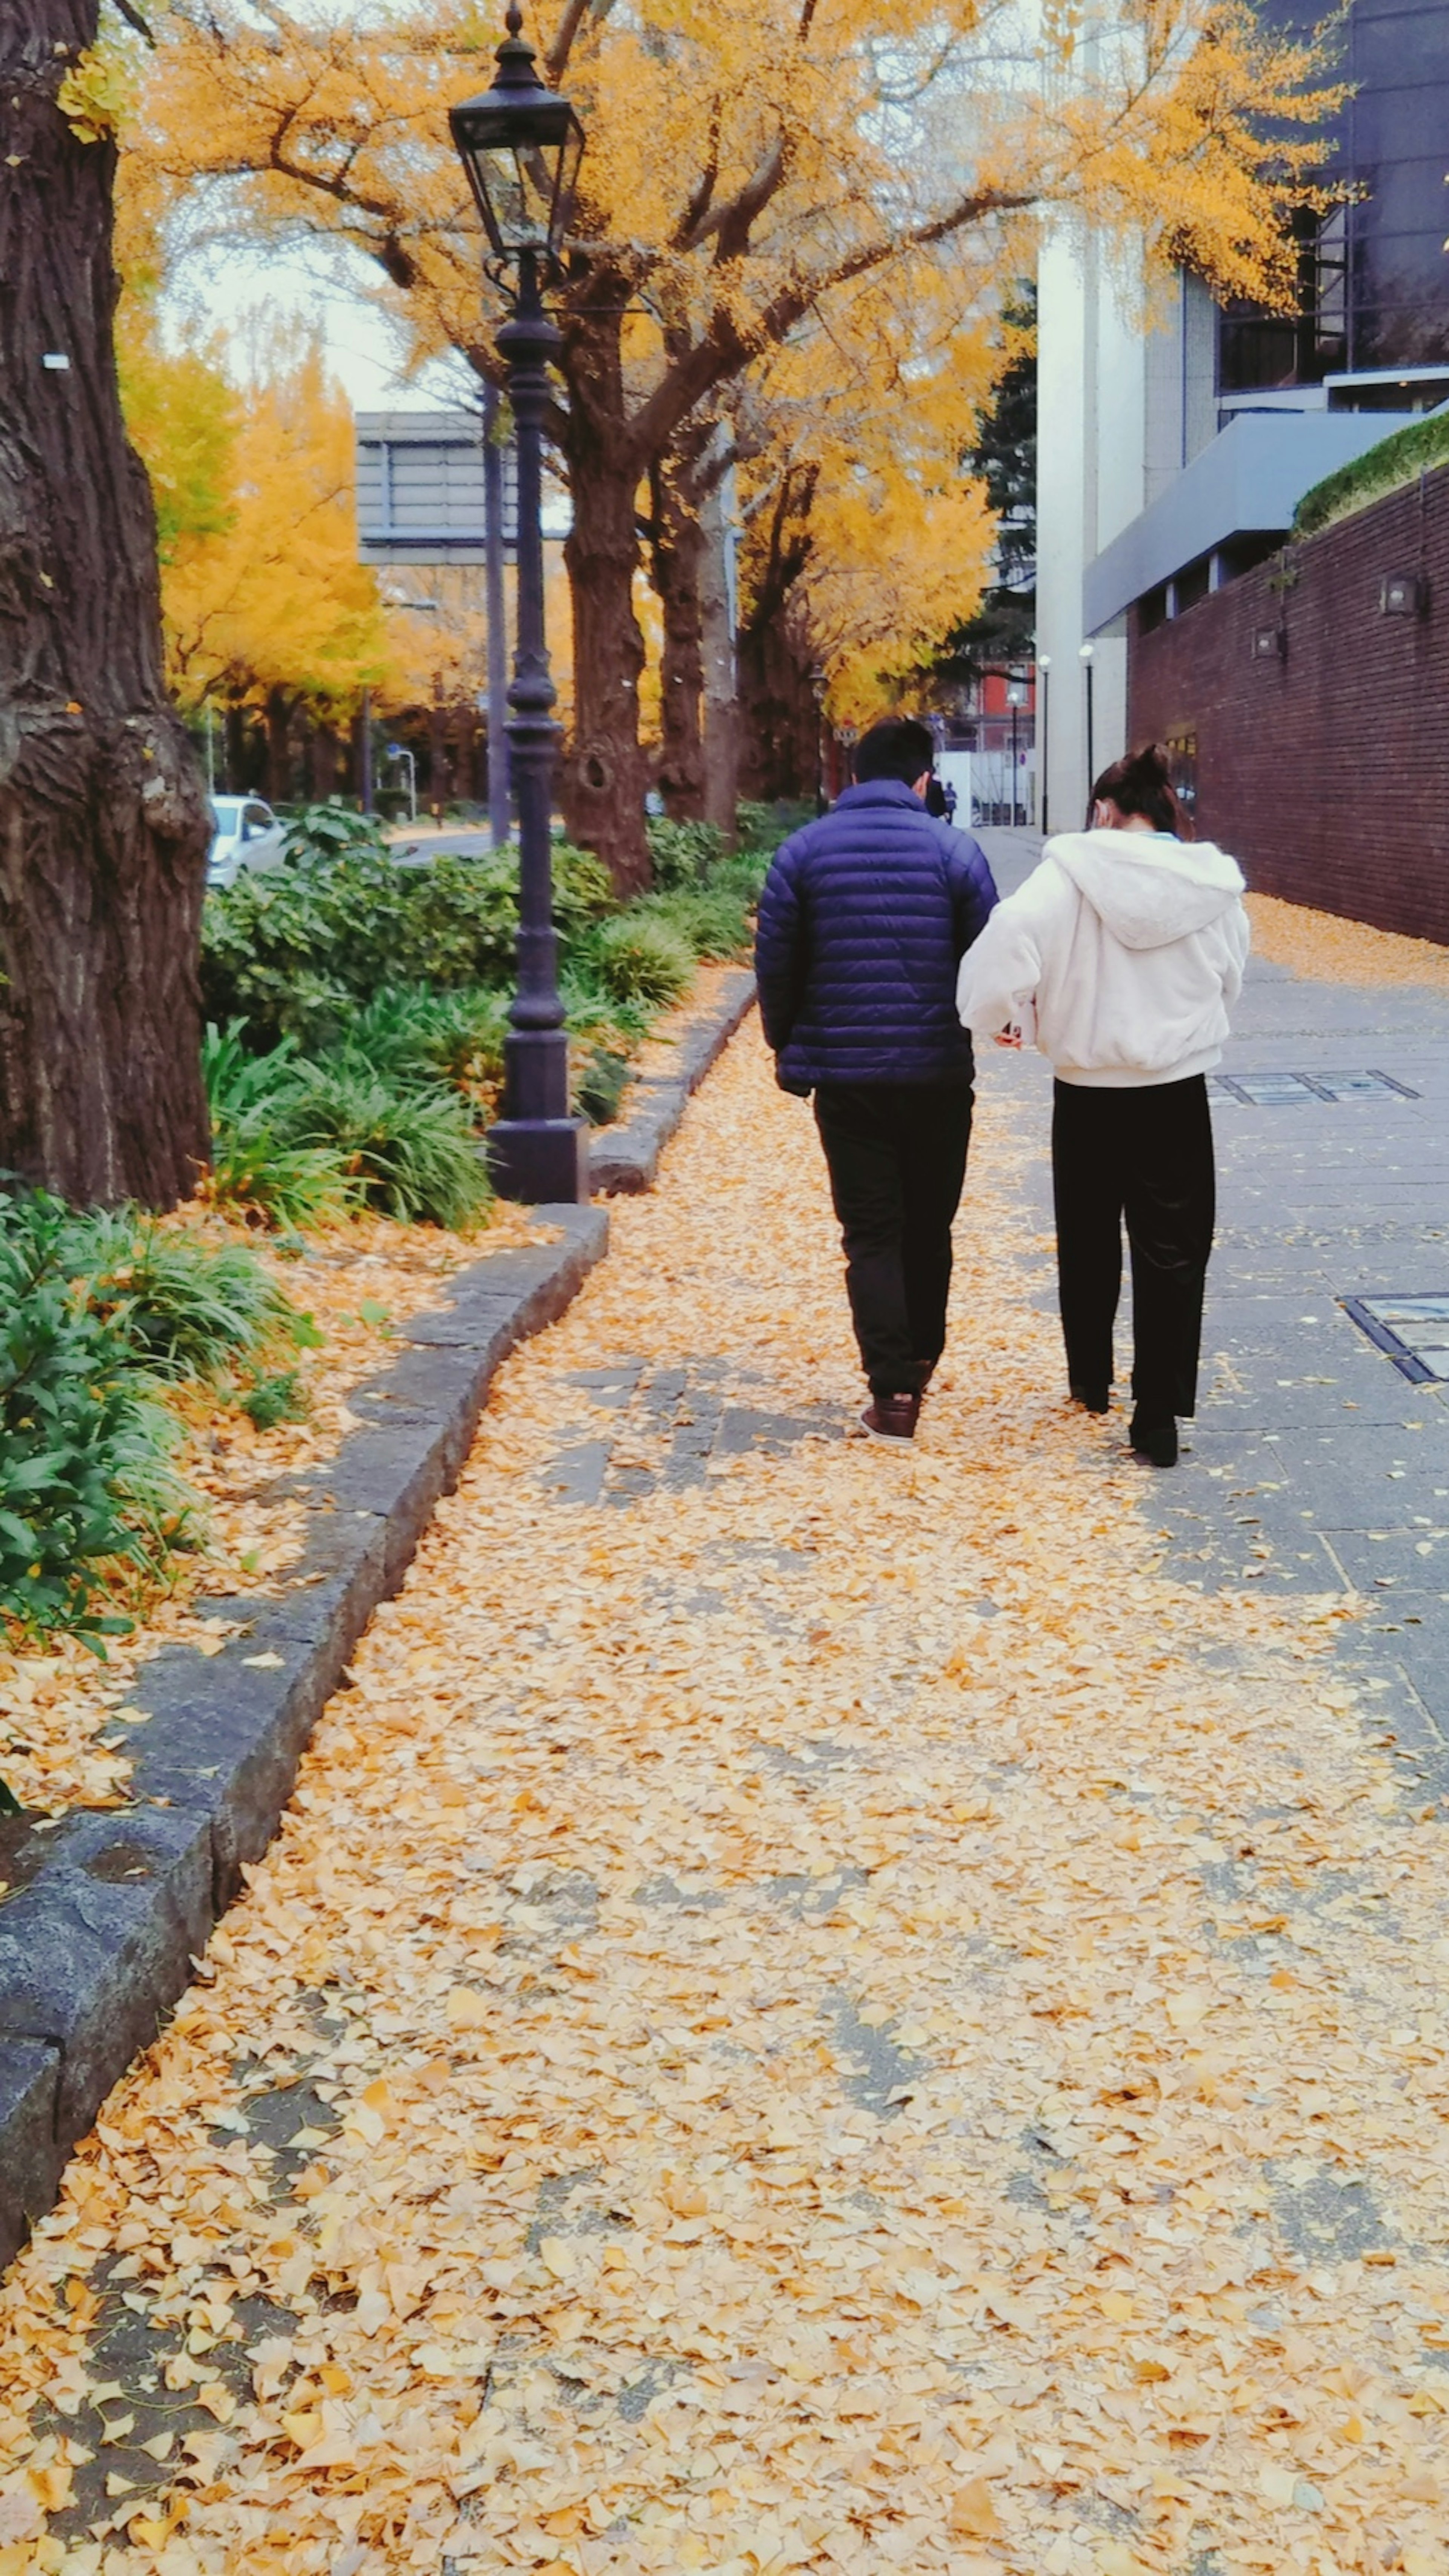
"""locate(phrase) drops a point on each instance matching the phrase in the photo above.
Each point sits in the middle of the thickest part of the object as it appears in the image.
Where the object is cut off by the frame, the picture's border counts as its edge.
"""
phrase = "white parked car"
(248, 838)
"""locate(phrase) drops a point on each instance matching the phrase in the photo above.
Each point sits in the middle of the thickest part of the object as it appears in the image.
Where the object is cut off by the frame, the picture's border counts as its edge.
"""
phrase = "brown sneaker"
(892, 1417)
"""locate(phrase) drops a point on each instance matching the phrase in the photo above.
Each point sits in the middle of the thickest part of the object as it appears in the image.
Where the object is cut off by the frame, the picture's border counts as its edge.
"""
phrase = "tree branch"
(726, 347)
(133, 18)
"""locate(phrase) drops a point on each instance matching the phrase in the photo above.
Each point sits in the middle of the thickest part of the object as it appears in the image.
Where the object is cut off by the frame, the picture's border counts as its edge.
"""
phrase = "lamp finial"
(515, 19)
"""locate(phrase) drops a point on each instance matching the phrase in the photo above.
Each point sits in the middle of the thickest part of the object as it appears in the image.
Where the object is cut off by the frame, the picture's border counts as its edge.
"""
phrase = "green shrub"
(683, 854)
(1396, 460)
(713, 920)
(330, 831)
(294, 951)
(86, 1477)
(599, 1085)
(188, 1308)
(410, 1147)
(258, 1170)
(277, 1396)
(418, 1035)
(641, 960)
(764, 827)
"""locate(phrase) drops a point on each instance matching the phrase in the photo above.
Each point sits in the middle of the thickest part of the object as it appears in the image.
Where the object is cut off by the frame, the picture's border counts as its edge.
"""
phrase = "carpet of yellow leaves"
(846, 2019)
(1334, 951)
(359, 1282)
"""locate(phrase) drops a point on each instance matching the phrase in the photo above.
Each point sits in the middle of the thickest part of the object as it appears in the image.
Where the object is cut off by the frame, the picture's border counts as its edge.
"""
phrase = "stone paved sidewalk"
(814, 2010)
(1316, 1464)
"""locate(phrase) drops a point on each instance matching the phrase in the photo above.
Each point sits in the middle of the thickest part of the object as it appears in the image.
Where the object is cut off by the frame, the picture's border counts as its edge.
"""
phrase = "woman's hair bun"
(1141, 783)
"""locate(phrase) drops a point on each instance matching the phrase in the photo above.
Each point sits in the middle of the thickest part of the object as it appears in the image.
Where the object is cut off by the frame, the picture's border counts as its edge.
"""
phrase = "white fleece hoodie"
(1121, 956)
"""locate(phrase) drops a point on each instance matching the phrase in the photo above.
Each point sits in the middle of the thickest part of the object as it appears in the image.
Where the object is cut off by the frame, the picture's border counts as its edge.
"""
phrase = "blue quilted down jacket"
(865, 917)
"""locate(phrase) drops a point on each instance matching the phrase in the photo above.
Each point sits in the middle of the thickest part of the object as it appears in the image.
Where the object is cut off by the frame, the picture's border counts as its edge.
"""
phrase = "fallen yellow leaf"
(973, 2516)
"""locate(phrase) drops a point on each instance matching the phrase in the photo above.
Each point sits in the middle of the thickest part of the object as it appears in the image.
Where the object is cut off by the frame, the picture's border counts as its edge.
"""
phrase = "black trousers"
(1146, 1155)
(897, 1158)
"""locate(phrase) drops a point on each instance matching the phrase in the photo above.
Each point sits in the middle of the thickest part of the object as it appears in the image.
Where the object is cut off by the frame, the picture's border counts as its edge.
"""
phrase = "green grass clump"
(259, 1171)
(641, 960)
(764, 827)
(277, 1396)
(99, 1314)
(189, 1308)
(683, 854)
(86, 1475)
(409, 1147)
(713, 920)
(1395, 461)
(421, 1036)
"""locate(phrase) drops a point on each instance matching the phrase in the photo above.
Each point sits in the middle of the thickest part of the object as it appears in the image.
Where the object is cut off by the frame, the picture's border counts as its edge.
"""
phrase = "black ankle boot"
(1154, 1444)
(1092, 1399)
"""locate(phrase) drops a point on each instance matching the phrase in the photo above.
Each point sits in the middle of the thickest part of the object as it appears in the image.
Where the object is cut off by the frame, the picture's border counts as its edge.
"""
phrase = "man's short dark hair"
(897, 747)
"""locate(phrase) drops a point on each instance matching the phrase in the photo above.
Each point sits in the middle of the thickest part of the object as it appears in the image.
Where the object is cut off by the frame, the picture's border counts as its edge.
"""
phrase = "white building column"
(1092, 410)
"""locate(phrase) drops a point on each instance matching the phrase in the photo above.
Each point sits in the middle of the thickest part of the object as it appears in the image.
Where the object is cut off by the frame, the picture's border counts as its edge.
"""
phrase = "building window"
(1182, 752)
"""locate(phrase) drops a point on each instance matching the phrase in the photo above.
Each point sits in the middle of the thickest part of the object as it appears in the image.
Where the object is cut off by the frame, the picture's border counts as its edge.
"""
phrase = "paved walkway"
(1317, 1464)
(819, 2010)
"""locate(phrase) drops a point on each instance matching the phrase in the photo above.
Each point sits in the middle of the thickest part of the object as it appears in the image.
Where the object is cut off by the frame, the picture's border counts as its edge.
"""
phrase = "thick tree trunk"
(279, 711)
(604, 776)
(677, 570)
(103, 820)
(324, 749)
(236, 751)
(779, 723)
(721, 699)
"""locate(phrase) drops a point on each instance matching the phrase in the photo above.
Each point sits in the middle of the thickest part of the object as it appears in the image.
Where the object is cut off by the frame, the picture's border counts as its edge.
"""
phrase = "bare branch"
(133, 18)
(729, 224)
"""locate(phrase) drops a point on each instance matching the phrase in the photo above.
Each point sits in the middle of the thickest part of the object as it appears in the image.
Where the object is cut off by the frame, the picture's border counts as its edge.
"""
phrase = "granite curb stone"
(112, 1906)
(625, 1159)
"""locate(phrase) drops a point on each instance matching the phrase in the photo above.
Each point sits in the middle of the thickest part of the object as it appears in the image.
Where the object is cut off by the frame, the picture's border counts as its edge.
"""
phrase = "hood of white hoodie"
(1147, 889)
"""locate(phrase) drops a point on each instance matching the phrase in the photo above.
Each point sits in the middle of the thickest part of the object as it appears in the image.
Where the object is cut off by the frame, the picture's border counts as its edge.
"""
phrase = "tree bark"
(279, 712)
(235, 771)
(324, 749)
(677, 572)
(604, 774)
(103, 819)
(721, 688)
(779, 722)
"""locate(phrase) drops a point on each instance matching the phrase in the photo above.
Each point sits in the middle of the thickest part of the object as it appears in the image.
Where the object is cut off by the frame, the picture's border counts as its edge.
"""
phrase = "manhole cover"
(1413, 1330)
(1283, 1090)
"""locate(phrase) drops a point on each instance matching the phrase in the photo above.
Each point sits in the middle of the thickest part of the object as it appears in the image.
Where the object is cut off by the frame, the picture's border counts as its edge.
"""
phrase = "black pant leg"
(1087, 1193)
(858, 1133)
(1171, 1209)
(934, 1123)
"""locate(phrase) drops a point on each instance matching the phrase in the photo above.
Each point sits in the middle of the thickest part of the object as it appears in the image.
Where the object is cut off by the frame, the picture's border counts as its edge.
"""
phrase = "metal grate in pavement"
(1286, 1090)
(1413, 1330)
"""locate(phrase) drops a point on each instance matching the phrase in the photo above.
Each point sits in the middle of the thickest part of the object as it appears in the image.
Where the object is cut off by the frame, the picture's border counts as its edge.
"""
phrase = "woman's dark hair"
(1142, 784)
(897, 747)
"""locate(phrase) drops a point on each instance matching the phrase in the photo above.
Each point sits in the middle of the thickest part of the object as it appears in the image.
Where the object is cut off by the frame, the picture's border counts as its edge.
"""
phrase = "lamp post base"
(542, 1161)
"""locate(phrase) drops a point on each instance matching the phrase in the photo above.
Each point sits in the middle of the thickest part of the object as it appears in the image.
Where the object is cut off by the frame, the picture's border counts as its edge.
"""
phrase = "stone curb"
(112, 1906)
(627, 1158)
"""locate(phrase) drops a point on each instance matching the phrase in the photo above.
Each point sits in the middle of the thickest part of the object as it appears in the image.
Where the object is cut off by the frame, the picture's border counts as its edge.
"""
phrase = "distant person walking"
(1122, 956)
(865, 917)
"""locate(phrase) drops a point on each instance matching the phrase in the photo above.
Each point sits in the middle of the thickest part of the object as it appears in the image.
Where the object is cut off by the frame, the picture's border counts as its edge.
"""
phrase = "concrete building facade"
(1176, 439)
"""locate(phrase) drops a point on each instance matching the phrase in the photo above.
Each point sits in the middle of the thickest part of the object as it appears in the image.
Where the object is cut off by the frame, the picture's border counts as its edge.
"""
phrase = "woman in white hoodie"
(1122, 956)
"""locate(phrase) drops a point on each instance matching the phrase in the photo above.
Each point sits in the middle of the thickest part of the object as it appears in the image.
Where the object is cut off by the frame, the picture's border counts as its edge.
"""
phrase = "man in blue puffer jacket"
(864, 920)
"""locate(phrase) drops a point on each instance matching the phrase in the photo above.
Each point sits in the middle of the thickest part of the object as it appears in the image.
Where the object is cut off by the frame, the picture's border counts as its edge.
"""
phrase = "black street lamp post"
(520, 145)
(1044, 670)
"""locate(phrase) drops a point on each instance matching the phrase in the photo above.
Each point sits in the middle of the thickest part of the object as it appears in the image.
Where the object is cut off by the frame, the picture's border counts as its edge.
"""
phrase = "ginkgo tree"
(272, 608)
(750, 162)
(103, 821)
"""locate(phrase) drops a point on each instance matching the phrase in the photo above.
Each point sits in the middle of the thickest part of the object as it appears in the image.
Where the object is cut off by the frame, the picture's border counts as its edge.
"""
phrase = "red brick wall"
(1327, 773)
